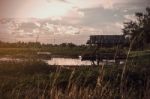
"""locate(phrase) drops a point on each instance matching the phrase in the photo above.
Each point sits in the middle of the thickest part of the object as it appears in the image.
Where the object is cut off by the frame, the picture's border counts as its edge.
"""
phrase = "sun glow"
(54, 10)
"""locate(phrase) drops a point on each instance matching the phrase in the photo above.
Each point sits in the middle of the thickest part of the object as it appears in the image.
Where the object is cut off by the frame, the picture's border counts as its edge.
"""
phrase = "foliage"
(139, 31)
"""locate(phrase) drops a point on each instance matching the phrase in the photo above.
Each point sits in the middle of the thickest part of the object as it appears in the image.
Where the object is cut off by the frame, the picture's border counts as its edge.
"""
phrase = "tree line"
(35, 45)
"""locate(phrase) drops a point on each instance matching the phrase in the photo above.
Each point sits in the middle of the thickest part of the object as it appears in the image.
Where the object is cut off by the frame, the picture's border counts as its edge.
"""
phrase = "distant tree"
(71, 45)
(139, 31)
(63, 45)
(67, 45)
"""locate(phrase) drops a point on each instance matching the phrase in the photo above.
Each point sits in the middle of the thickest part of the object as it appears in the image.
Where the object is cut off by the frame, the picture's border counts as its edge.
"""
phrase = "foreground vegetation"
(32, 79)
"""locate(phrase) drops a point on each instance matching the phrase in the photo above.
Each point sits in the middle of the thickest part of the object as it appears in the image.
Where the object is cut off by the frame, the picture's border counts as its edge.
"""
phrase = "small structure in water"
(45, 55)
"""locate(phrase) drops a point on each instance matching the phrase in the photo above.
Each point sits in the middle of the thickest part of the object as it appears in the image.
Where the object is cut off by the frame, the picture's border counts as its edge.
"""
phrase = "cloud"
(84, 4)
(119, 25)
(35, 27)
(50, 8)
(129, 17)
(74, 13)
(28, 27)
(71, 19)
(32, 28)
(62, 29)
(106, 4)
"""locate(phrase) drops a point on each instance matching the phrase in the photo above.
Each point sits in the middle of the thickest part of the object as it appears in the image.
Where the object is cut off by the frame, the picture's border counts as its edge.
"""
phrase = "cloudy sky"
(58, 21)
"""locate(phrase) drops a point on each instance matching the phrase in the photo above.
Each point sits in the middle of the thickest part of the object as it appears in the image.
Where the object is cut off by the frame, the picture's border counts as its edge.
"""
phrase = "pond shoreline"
(62, 62)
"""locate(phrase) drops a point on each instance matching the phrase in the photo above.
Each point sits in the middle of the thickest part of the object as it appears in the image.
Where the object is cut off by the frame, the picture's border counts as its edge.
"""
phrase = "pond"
(64, 61)
(54, 61)
(67, 61)
(77, 62)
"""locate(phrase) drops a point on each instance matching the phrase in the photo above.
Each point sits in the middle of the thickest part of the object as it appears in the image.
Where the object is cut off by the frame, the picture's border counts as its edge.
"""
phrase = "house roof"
(106, 39)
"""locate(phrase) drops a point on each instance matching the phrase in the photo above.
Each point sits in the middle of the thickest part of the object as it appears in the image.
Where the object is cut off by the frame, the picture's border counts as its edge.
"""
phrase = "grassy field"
(31, 52)
(34, 79)
(70, 52)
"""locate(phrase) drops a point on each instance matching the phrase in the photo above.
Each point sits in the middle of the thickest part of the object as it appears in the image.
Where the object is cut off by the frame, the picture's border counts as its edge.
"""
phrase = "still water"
(62, 61)
(67, 61)
(55, 61)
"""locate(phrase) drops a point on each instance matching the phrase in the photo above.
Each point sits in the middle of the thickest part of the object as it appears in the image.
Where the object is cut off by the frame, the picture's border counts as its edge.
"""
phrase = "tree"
(139, 31)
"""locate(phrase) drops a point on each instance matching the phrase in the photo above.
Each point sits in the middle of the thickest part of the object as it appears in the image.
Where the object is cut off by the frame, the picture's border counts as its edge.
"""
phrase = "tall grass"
(34, 79)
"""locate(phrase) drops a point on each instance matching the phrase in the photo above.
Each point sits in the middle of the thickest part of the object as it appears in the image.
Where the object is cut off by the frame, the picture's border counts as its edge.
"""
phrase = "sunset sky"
(59, 21)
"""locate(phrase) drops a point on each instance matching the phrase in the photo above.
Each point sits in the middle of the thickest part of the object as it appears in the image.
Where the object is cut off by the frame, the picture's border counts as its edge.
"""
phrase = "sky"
(64, 21)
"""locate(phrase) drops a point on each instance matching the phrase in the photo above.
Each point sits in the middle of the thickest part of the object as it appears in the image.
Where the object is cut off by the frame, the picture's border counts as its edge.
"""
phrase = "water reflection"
(67, 61)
